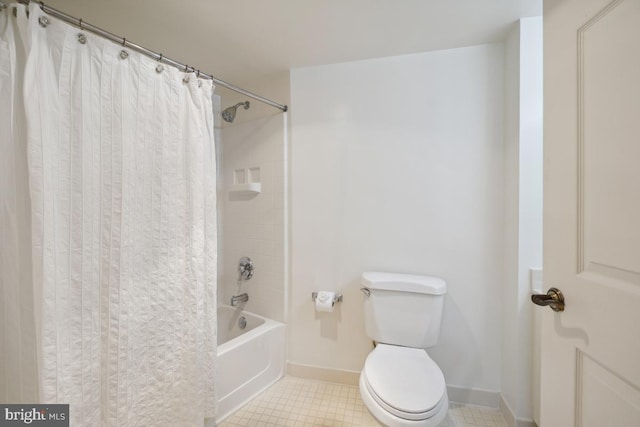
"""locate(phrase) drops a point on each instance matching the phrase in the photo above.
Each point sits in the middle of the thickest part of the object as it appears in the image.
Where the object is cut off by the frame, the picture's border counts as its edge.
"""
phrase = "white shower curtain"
(121, 178)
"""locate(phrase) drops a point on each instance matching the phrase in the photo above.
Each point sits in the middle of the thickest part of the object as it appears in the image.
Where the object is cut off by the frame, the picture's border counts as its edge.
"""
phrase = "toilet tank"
(403, 309)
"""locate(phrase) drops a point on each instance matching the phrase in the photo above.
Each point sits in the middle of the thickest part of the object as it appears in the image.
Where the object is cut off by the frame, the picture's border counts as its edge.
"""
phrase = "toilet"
(399, 383)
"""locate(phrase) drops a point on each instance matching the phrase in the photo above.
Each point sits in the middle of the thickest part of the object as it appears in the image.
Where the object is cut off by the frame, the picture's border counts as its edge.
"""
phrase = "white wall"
(397, 165)
(254, 226)
(523, 191)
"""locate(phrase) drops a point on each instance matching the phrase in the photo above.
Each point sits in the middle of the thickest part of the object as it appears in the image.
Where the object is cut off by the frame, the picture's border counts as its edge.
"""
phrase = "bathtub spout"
(236, 299)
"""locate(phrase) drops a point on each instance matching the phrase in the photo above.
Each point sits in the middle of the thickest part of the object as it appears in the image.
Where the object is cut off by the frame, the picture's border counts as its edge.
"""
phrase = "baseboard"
(510, 416)
(507, 412)
(323, 374)
(471, 396)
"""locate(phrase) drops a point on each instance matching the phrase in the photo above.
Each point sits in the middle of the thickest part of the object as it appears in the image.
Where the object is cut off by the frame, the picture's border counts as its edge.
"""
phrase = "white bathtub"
(249, 360)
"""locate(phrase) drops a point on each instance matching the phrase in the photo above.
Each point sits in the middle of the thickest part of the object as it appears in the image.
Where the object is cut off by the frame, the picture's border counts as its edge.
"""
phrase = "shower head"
(229, 113)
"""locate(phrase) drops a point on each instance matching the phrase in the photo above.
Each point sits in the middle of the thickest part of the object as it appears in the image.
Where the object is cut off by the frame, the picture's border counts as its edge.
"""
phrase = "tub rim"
(268, 325)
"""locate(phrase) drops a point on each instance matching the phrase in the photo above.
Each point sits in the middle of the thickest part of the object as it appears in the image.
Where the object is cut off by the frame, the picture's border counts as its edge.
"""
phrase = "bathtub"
(249, 359)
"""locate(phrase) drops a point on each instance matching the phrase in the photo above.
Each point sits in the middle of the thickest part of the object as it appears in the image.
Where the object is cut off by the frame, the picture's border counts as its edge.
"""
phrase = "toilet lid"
(404, 380)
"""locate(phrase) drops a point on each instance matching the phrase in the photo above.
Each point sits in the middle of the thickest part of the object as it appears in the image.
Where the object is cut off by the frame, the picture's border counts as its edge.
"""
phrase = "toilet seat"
(404, 381)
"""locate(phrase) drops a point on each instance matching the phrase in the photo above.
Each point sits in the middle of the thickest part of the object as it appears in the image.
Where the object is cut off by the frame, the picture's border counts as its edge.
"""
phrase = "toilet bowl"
(400, 384)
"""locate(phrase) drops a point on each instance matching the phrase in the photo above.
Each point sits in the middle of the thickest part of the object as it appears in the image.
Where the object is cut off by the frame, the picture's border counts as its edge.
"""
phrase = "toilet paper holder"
(336, 298)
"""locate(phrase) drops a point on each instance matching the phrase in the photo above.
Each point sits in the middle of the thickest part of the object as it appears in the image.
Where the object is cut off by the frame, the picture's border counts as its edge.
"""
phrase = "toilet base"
(387, 419)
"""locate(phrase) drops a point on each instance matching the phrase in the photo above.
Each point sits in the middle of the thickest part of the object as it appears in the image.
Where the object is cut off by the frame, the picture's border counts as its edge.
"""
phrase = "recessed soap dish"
(246, 182)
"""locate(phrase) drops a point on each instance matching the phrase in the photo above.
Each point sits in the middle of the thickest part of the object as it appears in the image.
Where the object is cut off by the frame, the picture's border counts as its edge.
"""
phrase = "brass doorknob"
(553, 298)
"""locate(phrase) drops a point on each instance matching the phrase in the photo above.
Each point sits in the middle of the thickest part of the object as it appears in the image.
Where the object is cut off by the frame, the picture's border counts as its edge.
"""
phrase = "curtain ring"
(80, 24)
(124, 42)
(159, 67)
(185, 79)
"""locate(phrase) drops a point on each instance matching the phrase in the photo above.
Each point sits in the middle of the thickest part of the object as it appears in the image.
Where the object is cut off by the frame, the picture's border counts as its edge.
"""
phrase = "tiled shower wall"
(253, 226)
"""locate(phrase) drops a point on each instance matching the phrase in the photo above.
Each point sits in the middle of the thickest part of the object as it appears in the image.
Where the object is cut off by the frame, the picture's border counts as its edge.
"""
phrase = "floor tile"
(300, 402)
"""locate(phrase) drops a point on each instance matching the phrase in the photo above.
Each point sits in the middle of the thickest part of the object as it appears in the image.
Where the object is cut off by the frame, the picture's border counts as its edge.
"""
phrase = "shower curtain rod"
(76, 22)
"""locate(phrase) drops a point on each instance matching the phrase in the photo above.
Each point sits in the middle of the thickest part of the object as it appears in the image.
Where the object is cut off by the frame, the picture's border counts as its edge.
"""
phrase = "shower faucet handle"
(245, 268)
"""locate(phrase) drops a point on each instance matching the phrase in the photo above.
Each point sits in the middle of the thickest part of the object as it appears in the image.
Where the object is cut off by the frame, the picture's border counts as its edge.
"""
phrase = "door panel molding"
(598, 386)
(605, 247)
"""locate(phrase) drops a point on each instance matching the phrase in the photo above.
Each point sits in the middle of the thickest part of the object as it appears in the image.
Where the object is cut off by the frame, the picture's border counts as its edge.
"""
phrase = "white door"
(591, 351)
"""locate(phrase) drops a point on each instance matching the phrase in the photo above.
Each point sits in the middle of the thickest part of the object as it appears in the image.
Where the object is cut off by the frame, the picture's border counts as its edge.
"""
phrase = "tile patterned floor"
(299, 402)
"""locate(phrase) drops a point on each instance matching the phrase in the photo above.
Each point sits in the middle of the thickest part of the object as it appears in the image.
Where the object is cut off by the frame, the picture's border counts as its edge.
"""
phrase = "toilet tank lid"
(404, 282)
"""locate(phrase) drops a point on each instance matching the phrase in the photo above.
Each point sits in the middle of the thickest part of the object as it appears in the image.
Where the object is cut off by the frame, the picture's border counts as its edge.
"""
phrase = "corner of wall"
(523, 145)
(511, 215)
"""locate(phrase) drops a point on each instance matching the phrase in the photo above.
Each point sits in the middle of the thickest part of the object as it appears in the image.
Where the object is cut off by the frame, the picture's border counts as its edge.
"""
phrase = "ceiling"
(243, 40)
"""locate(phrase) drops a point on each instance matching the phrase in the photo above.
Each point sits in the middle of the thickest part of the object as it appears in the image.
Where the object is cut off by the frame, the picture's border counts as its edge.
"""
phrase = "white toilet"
(400, 384)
